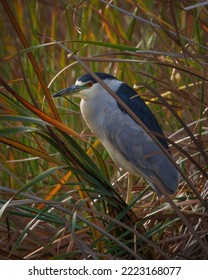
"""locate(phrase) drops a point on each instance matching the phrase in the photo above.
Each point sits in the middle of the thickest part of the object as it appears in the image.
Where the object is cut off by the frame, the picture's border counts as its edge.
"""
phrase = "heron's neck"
(93, 112)
(95, 109)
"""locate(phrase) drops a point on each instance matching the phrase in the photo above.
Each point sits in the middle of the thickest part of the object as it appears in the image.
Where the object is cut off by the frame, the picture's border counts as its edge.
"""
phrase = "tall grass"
(61, 195)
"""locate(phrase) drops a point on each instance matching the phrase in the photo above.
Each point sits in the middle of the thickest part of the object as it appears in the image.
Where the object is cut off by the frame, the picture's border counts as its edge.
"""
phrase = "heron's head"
(86, 86)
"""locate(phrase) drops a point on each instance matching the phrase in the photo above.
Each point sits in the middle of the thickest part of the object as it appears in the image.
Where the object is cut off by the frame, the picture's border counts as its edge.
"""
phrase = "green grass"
(61, 195)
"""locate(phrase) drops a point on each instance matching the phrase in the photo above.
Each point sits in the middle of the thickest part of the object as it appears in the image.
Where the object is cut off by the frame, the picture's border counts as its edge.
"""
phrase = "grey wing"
(141, 152)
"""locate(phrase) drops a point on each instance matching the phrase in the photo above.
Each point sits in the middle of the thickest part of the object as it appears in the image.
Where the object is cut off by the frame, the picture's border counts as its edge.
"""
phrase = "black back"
(138, 106)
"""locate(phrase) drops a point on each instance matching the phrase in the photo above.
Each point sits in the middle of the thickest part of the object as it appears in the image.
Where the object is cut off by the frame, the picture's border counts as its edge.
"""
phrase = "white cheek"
(83, 94)
(88, 93)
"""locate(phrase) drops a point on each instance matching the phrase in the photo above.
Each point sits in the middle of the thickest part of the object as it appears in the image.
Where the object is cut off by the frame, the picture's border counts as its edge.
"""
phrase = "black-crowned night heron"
(127, 143)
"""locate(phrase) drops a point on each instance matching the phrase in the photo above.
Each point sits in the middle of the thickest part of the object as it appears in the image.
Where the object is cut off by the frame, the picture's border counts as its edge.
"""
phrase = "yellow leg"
(129, 188)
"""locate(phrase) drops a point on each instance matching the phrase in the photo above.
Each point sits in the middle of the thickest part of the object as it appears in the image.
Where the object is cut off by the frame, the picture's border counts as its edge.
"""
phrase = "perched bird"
(127, 143)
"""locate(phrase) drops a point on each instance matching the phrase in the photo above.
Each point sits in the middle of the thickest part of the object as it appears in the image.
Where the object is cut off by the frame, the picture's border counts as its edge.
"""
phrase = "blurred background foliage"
(61, 195)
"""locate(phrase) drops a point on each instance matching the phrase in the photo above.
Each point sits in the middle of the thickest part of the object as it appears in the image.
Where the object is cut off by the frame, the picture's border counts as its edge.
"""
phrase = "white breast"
(94, 111)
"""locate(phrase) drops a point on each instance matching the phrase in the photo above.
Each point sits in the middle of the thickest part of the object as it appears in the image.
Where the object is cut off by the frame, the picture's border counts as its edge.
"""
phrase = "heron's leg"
(129, 188)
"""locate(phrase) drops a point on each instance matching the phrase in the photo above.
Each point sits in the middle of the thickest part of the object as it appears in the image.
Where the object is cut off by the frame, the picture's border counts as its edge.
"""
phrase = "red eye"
(89, 84)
